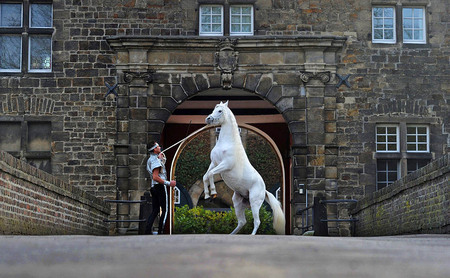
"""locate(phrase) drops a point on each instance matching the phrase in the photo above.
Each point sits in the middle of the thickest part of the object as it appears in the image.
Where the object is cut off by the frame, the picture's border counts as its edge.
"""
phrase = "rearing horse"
(228, 158)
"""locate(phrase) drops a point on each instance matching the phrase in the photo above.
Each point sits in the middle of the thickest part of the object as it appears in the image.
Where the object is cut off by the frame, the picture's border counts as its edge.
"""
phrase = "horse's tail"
(279, 221)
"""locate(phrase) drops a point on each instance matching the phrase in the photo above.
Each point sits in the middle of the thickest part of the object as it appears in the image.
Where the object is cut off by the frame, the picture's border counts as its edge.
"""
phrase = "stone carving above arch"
(226, 59)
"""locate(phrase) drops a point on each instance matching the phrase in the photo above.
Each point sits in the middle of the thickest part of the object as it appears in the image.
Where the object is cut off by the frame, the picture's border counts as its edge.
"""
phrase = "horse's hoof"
(214, 196)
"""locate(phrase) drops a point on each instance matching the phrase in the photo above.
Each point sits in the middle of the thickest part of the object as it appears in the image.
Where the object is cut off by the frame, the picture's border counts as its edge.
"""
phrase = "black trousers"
(159, 202)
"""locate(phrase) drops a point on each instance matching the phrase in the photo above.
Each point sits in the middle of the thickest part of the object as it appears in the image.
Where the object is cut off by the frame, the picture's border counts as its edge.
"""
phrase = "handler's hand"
(173, 183)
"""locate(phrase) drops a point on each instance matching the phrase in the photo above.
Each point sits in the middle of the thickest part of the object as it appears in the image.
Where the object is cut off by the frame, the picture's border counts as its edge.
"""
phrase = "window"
(28, 140)
(416, 164)
(414, 25)
(387, 172)
(219, 20)
(417, 139)
(211, 20)
(387, 138)
(241, 20)
(26, 45)
(383, 25)
(401, 149)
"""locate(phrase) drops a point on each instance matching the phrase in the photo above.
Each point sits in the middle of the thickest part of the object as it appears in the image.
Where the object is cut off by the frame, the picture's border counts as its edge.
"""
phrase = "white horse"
(228, 158)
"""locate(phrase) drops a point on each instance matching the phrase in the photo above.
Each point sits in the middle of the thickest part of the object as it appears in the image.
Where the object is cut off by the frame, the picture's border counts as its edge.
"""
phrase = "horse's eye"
(220, 111)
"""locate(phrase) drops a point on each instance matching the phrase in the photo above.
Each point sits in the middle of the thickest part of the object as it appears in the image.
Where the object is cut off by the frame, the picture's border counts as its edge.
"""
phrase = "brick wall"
(418, 203)
(33, 202)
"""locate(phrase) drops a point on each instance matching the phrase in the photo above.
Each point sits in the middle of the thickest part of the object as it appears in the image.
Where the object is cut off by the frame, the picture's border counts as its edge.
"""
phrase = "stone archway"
(295, 74)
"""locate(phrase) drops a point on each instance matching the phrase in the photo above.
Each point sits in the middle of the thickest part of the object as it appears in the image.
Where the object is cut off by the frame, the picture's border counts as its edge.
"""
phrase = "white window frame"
(21, 55)
(386, 142)
(29, 55)
(386, 171)
(30, 15)
(21, 15)
(202, 33)
(416, 142)
(393, 40)
(240, 23)
(415, 41)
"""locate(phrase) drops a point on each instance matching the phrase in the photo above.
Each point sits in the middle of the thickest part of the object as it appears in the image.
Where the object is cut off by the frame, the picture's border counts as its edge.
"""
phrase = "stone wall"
(418, 203)
(33, 202)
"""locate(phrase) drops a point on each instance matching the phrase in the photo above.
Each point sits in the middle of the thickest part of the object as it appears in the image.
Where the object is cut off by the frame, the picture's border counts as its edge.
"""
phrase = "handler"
(160, 197)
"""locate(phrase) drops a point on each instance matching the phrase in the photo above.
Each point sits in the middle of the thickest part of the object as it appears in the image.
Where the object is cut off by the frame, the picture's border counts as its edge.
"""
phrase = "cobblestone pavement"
(224, 256)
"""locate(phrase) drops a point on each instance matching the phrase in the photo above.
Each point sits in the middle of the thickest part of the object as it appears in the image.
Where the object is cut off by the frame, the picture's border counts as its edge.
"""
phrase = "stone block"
(251, 81)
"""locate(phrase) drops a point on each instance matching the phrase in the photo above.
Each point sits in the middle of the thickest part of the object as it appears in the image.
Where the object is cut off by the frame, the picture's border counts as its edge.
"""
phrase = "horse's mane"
(233, 121)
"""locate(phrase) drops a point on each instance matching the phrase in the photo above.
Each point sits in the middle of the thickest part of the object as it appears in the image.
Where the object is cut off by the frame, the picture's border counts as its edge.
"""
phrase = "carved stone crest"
(129, 76)
(226, 59)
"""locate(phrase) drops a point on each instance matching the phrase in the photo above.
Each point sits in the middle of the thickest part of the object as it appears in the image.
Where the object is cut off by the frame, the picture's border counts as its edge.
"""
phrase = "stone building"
(352, 94)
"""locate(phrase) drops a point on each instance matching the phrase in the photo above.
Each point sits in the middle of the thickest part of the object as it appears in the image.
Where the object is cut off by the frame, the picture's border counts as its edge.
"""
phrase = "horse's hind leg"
(239, 208)
(256, 203)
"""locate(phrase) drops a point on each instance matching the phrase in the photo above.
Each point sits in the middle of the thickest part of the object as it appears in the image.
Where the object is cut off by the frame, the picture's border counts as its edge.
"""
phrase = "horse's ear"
(220, 103)
(226, 103)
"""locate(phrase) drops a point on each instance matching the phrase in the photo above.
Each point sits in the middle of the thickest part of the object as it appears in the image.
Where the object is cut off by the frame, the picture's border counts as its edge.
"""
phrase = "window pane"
(235, 10)
(381, 138)
(411, 147)
(407, 23)
(378, 23)
(217, 28)
(407, 12)
(246, 19)
(410, 138)
(389, 23)
(40, 52)
(206, 19)
(418, 24)
(421, 138)
(235, 19)
(388, 34)
(392, 138)
(392, 130)
(235, 27)
(422, 130)
(388, 12)
(217, 19)
(378, 12)
(41, 15)
(10, 15)
(392, 176)
(418, 13)
(205, 10)
(407, 35)
(422, 147)
(10, 52)
(378, 34)
(246, 10)
(381, 147)
(411, 130)
(246, 28)
(206, 28)
(418, 35)
(216, 10)
(392, 147)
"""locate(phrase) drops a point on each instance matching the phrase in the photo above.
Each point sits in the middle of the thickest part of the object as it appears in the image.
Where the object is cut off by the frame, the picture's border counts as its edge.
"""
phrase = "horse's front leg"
(207, 182)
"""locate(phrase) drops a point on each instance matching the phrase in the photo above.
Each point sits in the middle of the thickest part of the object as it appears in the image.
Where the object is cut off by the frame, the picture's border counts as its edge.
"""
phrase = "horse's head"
(218, 116)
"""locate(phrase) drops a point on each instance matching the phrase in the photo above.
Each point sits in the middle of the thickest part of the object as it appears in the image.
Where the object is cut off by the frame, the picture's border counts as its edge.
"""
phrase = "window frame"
(386, 171)
(252, 19)
(386, 143)
(416, 142)
(26, 32)
(424, 26)
(202, 33)
(394, 37)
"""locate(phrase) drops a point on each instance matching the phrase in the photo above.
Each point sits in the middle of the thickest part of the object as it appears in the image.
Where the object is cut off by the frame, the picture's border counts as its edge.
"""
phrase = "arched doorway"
(252, 112)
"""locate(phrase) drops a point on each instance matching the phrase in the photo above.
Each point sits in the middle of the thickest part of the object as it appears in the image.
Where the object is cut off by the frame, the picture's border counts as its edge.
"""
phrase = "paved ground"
(224, 256)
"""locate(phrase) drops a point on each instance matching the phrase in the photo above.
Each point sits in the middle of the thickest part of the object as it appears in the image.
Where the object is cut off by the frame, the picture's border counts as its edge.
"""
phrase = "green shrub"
(200, 221)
